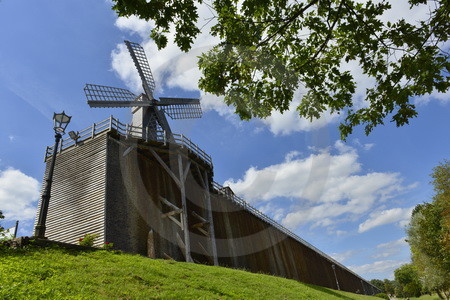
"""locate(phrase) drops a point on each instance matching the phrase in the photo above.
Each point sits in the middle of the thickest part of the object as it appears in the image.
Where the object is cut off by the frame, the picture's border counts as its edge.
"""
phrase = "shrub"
(108, 245)
(88, 240)
(382, 295)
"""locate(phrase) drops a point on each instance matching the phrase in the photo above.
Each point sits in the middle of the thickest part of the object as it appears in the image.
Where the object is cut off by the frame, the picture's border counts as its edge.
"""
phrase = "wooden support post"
(93, 131)
(186, 170)
(205, 253)
(184, 207)
(182, 246)
(212, 235)
(151, 252)
(168, 170)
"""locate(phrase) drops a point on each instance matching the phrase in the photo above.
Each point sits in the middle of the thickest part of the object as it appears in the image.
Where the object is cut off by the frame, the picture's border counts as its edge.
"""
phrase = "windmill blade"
(176, 101)
(106, 96)
(181, 108)
(140, 61)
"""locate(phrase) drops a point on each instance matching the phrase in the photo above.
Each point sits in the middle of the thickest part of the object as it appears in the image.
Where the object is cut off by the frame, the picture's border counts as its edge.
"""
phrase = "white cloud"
(321, 186)
(135, 25)
(443, 98)
(18, 195)
(373, 270)
(273, 211)
(343, 256)
(394, 215)
(366, 147)
(290, 121)
(389, 249)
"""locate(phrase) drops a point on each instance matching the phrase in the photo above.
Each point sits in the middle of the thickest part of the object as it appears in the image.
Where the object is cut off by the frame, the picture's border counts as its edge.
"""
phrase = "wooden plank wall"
(246, 241)
(77, 201)
(135, 182)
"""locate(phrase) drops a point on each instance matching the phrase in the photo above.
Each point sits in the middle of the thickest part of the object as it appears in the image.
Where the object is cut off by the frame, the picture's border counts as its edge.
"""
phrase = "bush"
(382, 295)
(108, 246)
(88, 240)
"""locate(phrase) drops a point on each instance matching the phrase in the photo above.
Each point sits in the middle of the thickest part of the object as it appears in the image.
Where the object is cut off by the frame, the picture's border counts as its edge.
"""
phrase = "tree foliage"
(379, 284)
(408, 281)
(269, 49)
(389, 286)
(429, 235)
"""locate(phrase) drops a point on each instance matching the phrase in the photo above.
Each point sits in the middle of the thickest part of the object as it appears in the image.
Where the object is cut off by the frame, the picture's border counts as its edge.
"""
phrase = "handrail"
(231, 196)
(128, 131)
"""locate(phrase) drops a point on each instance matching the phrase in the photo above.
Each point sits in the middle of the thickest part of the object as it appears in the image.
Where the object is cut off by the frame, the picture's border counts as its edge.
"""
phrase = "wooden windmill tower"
(148, 112)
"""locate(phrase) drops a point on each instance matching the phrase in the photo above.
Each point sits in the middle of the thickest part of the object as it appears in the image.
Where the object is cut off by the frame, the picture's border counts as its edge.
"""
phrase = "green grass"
(42, 273)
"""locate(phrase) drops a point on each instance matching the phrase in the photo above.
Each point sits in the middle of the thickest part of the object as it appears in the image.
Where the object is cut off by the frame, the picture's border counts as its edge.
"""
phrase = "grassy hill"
(42, 273)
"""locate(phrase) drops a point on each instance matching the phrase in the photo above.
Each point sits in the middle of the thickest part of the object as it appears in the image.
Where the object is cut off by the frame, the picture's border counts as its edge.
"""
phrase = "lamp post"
(60, 122)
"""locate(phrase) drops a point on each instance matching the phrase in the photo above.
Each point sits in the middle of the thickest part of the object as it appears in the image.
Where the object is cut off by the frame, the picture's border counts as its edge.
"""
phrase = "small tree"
(379, 284)
(389, 286)
(428, 235)
(409, 282)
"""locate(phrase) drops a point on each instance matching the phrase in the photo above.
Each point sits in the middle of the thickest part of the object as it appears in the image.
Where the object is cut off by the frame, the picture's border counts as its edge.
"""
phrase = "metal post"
(15, 229)
(335, 276)
(40, 227)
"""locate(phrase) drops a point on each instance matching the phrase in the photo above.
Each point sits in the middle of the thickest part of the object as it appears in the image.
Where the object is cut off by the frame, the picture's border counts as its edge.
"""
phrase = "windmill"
(148, 112)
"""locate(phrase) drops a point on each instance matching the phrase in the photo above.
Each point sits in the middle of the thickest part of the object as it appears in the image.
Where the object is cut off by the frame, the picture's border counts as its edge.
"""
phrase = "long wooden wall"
(246, 241)
(77, 200)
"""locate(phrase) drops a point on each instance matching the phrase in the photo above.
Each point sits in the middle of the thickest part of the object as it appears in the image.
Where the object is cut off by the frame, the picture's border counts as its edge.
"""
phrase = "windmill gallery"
(151, 191)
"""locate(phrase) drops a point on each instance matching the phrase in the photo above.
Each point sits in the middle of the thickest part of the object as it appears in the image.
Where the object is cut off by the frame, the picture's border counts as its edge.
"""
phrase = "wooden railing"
(129, 131)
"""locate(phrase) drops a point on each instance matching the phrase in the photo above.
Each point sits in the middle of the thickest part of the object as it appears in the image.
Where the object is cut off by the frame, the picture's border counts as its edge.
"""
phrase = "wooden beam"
(128, 150)
(163, 164)
(201, 176)
(167, 256)
(186, 170)
(168, 203)
(212, 234)
(176, 221)
(201, 224)
(206, 233)
(184, 215)
(181, 245)
(151, 245)
(171, 213)
(199, 217)
(205, 253)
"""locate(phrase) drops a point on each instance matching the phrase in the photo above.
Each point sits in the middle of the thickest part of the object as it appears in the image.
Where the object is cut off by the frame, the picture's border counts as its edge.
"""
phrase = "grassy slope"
(38, 273)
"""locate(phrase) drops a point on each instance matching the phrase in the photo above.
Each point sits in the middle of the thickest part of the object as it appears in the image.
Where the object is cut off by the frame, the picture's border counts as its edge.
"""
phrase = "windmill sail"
(181, 108)
(106, 96)
(140, 61)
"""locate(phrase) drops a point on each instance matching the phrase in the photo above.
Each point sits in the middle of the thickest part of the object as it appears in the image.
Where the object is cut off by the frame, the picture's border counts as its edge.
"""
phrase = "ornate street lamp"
(60, 122)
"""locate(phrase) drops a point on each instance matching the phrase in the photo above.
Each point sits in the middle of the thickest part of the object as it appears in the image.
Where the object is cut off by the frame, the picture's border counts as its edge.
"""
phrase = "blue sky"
(351, 200)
